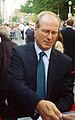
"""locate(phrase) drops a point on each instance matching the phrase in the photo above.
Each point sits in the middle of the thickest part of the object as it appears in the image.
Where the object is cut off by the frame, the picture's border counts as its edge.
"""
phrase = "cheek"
(38, 36)
(55, 39)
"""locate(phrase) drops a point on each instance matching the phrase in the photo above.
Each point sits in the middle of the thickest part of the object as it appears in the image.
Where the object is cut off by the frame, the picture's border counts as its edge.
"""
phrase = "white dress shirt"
(46, 59)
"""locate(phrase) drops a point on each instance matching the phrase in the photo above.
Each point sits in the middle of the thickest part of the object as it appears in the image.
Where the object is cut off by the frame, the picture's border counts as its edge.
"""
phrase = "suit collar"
(31, 53)
(68, 26)
(52, 71)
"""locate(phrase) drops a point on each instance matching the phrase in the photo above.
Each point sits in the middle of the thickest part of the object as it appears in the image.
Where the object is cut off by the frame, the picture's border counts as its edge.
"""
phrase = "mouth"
(48, 42)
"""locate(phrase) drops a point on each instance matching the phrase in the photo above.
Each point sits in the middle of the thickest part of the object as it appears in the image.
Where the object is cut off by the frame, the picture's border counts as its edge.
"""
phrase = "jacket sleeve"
(22, 98)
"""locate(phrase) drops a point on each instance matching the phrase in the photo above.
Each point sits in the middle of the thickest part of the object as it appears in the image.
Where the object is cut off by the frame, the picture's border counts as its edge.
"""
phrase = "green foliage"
(15, 19)
(58, 6)
(28, 7)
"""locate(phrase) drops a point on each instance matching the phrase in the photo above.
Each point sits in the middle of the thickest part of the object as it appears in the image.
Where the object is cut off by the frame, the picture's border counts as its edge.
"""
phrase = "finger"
(54, 116)
(69, 117)
(66, 117)
(57, 112)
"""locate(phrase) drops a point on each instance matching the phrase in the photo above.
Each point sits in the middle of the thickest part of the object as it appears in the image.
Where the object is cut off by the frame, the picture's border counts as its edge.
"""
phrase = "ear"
(36, 28)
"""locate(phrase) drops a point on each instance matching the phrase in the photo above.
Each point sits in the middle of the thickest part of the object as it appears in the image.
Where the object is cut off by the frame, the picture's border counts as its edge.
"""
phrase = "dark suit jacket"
(5, 53)
(69, 43)
(22, 80)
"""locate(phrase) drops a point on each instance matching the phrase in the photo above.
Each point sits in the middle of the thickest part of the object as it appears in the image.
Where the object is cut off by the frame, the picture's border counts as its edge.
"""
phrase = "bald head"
(44, 15)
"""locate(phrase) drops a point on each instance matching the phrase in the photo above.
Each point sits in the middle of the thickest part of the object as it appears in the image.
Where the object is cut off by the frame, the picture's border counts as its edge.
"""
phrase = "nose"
(49, 36)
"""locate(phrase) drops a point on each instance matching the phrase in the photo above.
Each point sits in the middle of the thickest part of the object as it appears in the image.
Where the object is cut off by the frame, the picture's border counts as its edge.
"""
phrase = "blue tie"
(41, 77)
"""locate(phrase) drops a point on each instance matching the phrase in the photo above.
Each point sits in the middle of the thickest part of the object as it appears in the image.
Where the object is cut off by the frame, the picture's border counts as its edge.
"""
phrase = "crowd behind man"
(25, 92)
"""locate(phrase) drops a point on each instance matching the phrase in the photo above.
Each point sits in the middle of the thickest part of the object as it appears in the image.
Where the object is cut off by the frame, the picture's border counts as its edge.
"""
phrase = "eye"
(46, 31)
(54, 32)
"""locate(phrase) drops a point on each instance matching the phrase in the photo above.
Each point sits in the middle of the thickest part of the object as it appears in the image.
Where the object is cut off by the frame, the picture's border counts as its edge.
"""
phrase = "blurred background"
(26, 10)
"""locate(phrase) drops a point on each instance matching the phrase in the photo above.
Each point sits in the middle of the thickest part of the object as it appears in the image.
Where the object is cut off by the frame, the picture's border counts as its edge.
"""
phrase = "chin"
(46, 48)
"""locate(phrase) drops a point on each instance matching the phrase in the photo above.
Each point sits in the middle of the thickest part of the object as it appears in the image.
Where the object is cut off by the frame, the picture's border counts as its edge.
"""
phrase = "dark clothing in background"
(5, 53)
(22, 33)
(69, 43)
(29, 35)
(12, 35)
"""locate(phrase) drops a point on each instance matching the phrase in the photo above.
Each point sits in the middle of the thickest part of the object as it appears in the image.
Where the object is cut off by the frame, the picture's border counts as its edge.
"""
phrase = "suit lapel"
(31, 53)
(33, 61)
(51, 72)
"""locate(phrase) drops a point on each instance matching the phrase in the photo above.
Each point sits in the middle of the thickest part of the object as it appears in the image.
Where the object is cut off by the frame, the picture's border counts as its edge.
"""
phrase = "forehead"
(49, 21)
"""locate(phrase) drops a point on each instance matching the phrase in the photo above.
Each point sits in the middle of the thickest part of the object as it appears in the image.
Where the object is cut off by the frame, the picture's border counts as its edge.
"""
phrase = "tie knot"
(41, 54)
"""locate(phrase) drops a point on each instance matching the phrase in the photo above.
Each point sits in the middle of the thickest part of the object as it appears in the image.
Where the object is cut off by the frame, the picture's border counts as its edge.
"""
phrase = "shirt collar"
(68, 26)
(38, 50)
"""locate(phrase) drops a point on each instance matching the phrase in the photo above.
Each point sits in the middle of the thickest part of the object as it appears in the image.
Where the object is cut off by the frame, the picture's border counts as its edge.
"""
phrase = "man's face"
(46, 34)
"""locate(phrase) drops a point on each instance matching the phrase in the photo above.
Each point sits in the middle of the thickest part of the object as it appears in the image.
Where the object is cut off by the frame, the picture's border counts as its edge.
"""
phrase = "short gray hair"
(3, 29)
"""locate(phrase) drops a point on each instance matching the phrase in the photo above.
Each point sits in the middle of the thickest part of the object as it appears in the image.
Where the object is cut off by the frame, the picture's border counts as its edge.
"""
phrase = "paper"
(39, 118)
(25, 118)
(28, 118)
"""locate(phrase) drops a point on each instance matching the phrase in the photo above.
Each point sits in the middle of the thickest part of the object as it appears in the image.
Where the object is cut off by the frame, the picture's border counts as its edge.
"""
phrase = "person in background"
(22, 75)
(12, 33)
(59, 43)
(8, 28)
(25, 28)
(29, 34)
(5, 52)
(17, 33)
(69, 41)
(21, 27)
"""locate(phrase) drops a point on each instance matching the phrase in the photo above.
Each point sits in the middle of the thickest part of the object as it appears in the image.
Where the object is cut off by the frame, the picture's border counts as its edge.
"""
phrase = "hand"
(69, 116)
(48, 110)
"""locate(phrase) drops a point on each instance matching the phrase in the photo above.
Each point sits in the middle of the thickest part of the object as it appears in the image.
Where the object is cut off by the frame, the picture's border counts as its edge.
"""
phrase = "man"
(29, 34)
(25, 28)
(23, 73)
(21, 27)
(69, 41)
(6, 46)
